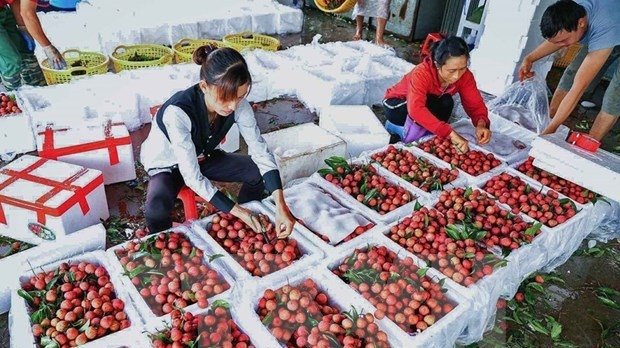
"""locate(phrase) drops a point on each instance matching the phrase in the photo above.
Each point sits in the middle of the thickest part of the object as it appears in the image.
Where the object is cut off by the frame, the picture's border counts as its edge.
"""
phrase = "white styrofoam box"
(213, 27)
(265, 19)
(230, 143)
(19, 317)
(290, 20)
(273, 74)
(397, 65)
(327, 86)
(157, 33)
(472, 180)
(378, 78)
(105, 147)
(338, 295)
(310, 55)
(88, 239)
(445, 331)
(16, 134)
(180, 29)
(238, 21)
(598, 171)
(142, 307)
(310, 254)
(300, 150)
(357, 125)
(236, 313)
(505, 148)
(418, 197)
(460, 181)
(62, 196)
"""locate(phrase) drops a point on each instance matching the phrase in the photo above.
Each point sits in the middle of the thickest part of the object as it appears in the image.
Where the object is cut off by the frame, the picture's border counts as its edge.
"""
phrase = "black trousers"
(396, 108)
(164, 187)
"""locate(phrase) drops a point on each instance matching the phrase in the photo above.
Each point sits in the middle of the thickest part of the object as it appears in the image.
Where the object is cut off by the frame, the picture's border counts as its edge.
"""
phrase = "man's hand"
(461, 144)
(483, 135)
(57, 62)
(525, 72)
(255, 221)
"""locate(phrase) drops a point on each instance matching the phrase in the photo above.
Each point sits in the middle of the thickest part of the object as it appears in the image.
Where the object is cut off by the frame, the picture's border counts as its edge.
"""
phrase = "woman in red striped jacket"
(422, 101)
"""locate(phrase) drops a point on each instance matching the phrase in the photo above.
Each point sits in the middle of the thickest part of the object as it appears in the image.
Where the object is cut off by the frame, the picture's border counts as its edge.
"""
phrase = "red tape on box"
(79, 193)
(109, 142)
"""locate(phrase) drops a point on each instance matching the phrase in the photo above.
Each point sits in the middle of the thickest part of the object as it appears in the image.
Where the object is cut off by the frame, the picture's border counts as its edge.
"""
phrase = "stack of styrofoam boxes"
(310, 253)
(264, 17)
(16, 134)
(20, 325)
(444, 332)
(272, 75)
(301, 150)
(88, 239)
(597, 171)
(358, 126)
(495, 60)
(141, 305)
(60, 196)
(104, 146)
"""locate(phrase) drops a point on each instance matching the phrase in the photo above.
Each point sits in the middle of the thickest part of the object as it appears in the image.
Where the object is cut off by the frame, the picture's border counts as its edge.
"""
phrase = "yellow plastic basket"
(248, 40)
(79, 63)
(157, 55)
(184, 49)
(346, 6)
(569, 55)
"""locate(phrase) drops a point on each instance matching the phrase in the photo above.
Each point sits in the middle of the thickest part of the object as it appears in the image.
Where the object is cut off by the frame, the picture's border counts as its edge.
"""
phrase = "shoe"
(395, 130)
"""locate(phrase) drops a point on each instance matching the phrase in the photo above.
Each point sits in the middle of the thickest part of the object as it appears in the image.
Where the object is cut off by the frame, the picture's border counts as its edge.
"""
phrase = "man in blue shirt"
(596, 25)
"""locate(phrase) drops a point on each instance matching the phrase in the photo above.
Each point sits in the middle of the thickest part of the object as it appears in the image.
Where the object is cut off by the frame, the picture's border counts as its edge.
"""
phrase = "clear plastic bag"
(525, 103)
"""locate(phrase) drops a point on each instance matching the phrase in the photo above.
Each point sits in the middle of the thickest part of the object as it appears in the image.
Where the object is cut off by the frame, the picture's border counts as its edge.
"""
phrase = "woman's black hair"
(451, 46)
(562, 15)
(224, 68)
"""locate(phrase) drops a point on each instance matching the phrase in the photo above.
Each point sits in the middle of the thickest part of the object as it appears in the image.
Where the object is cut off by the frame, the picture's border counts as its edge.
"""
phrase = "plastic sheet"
(525, 103)
(19, 318)
(338, 295)
(142, 307)
(446, 330)
(310, 254)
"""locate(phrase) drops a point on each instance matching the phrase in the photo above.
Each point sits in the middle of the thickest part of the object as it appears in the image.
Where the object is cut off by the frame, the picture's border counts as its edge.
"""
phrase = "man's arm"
(590, 66)
(544, 49)
(29, 18)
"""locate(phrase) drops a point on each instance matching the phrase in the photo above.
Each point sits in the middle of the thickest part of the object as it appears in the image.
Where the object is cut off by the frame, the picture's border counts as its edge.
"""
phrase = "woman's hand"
(257, 222)
(483, 134)
(284, 219)
(461, 144)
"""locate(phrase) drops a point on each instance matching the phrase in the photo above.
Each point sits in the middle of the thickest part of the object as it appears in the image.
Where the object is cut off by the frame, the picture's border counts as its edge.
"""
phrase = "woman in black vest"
(181, 147)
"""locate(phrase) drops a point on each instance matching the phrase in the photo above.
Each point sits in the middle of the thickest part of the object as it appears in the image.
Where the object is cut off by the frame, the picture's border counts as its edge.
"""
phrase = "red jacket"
(423, 80)
(6, 2)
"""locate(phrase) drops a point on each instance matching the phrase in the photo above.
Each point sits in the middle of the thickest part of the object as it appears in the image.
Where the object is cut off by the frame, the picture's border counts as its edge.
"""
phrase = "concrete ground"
(576, 298)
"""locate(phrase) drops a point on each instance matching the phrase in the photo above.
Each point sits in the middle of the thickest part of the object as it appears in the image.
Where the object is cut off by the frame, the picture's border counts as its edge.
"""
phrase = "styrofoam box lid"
(53, 170)
(82, 135)
(596, 171)
(350, 119)
(303, 139)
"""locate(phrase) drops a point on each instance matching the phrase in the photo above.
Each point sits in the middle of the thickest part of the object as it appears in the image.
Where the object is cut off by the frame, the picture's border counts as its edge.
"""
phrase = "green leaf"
(139, 254)
(501, 263)
(370, 195)
(193, 253)
(442, 282)
(469, 255)
(422, 272)
(417, 206)
(608, 291)
(26, 296)
(313, 322)
(84, 327)
(426, 220)
(452, 232)
(609, 303)
(323, 172)
(537, 327)
(268, 319)
(479, 235)
(536, 287)
(364, 187)
(528, 188)
(214, 257)
(157, 273)
(137, 271)
(533, 229)
(556, 330)
(220, 303)
(468, 192)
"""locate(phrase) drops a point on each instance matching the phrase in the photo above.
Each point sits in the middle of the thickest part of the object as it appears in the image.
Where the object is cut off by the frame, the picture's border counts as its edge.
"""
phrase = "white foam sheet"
(141, 306)
(310, 253)
(19, 317)
(445, 331)
(16, 134)
(506, 148)
(249, 294)
(367, 47)
(402, 211)
(331, 86)
(88, 239)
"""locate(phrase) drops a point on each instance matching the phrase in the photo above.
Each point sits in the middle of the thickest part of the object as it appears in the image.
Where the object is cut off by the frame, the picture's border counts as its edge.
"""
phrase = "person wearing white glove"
(28, 13)
(17, 61)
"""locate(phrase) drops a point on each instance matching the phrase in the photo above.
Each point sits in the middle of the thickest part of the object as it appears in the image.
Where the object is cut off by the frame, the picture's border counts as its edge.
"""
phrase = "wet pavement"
(573, 302)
